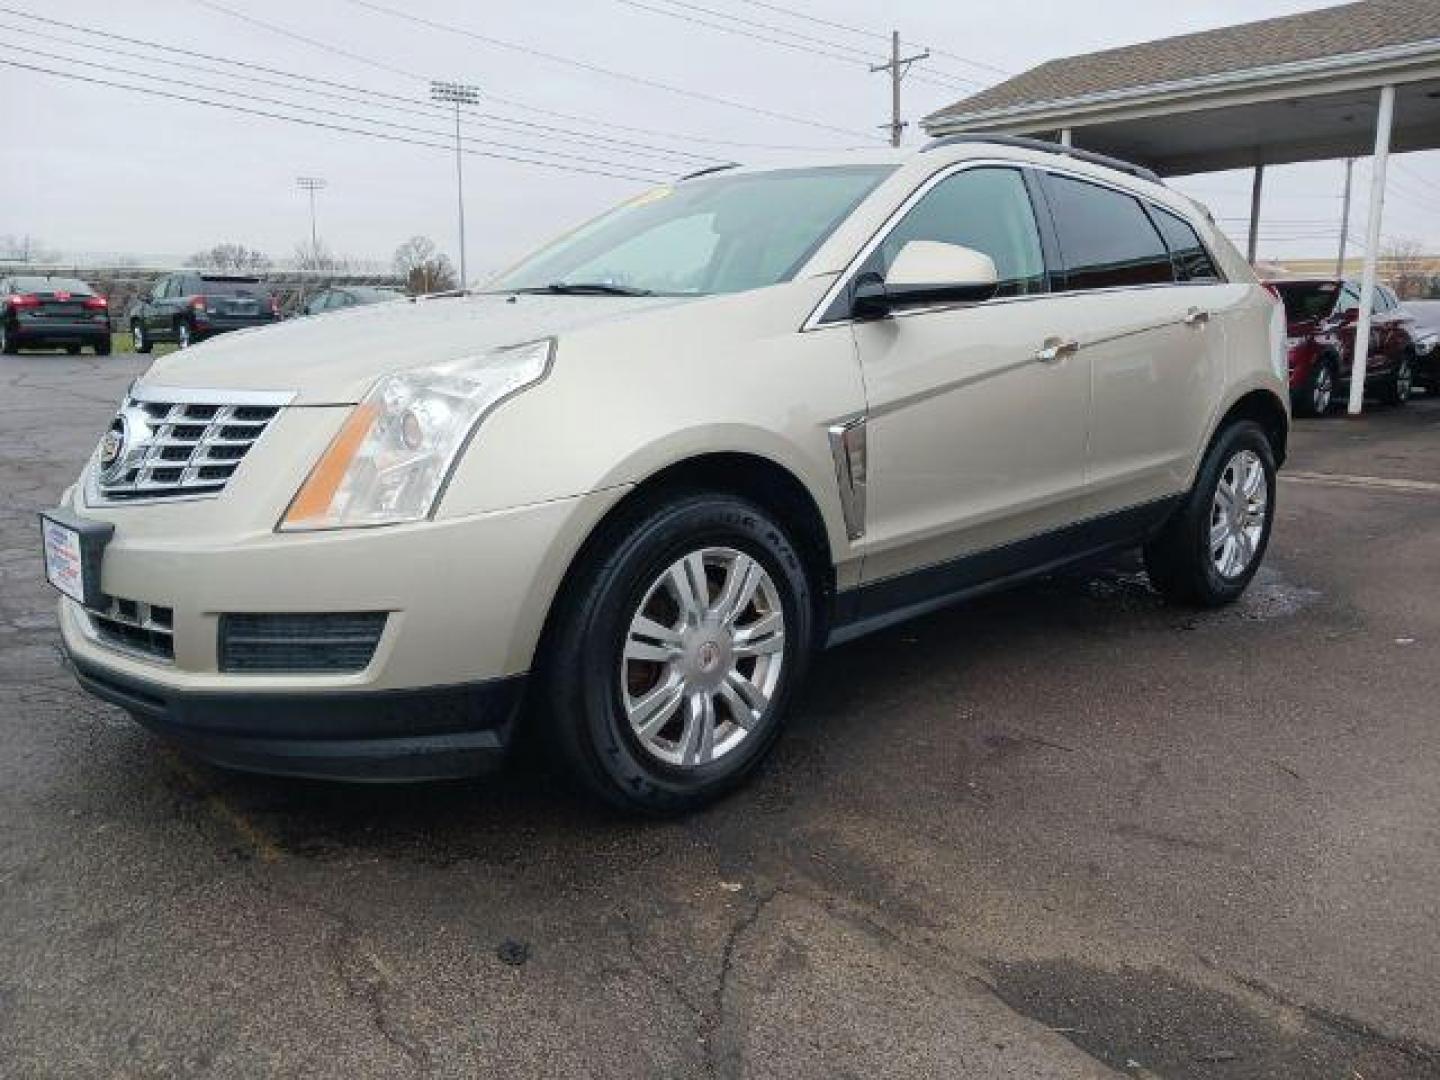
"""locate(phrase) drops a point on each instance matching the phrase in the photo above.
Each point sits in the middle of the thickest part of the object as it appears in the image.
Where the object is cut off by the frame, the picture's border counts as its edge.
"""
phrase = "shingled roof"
(1312, 35)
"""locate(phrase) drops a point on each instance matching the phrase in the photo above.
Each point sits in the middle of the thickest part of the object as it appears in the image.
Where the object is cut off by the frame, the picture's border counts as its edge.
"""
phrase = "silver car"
(625, 492)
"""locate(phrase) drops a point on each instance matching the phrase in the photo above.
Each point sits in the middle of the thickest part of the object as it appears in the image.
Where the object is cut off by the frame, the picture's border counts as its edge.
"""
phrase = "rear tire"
(1210, 550)
(1400, 383)
(658, 696)
(184, 336)
(1317, 393)
(139, 338)
(102, 346)
(8, 343)
(73, 350)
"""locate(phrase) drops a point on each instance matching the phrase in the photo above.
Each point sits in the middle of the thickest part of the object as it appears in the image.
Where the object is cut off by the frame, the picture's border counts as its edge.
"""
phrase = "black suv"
(52, 313)
(188, 306)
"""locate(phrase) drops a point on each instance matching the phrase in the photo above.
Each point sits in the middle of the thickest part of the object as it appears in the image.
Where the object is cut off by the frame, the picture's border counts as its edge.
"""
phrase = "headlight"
(391, 459)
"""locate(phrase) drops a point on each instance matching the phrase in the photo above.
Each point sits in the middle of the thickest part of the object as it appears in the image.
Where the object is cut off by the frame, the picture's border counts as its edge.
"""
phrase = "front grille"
(179, 449)
(136, 626)
(291, 644)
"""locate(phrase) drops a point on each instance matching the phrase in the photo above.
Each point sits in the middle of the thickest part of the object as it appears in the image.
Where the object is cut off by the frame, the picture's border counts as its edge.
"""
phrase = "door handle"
(1196, 317)
(1056, 349)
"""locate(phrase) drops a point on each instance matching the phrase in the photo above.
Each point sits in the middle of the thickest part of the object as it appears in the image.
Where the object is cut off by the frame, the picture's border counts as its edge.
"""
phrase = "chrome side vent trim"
(847, 447)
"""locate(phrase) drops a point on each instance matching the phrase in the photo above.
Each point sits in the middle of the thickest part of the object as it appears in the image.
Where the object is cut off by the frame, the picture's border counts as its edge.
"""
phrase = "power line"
(415, 107)
(304, 122)
(111, 69)
(792, 13)
(490, 95)
(815, 46)
(598, 69)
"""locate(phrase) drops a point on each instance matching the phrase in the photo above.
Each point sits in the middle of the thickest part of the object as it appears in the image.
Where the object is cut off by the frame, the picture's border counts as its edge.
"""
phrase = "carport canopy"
(1339, 82)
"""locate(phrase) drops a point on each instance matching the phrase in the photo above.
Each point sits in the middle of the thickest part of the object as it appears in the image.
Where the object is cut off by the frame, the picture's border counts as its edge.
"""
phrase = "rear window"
(232, 287)
(50, 284)
(1106, 238)
(1308, 299)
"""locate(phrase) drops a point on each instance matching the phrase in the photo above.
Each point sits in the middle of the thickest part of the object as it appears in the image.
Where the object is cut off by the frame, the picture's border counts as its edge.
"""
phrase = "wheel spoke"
(741, 582)
(761, 638)
(654, 710)
(644, 650)
(697, 744)
(692, 592)
(642, 626)
(755, 698)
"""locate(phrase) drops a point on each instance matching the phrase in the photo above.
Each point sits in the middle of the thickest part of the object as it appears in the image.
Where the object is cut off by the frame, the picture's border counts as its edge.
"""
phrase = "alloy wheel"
(1324, 389)
(1237, 514)
(184, 335)
(702, 657)
(1404, 380)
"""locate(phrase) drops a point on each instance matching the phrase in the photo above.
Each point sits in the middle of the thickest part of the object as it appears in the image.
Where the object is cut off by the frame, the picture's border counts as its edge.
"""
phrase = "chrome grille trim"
(181, 444)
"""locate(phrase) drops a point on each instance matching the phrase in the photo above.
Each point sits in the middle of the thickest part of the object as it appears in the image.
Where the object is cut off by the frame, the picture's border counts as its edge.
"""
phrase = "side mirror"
(927, 272)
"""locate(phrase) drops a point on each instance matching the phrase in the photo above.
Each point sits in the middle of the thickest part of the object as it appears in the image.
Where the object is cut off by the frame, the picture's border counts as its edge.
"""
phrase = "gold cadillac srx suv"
(626, 491)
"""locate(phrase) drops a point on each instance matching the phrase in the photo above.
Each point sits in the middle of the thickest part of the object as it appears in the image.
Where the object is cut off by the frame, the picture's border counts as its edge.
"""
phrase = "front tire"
(676, 652)
(1210, 550)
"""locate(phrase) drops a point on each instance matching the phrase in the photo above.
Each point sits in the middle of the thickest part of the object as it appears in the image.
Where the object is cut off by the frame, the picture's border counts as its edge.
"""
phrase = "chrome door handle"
(1055, 349)
(1196, 317)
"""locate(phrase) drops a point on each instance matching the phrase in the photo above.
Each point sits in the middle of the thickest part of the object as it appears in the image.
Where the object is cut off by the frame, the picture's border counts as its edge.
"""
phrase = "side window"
(1192, 261)
(1106, 238)
(162, 288)
(1349, 300)
(987, 209)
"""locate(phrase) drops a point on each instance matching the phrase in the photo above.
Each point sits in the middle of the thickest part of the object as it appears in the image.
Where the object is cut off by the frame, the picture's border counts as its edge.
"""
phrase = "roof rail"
(708, 170)
(1049, 148)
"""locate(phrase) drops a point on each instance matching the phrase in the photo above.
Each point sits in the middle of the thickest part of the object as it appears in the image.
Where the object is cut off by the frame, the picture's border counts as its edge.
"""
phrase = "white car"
(628, 490)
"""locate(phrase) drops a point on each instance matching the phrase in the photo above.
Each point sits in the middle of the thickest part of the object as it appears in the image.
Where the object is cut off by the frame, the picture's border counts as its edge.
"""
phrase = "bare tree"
(424, 268)
(1406, 269)
(26, 249)
(231, 256)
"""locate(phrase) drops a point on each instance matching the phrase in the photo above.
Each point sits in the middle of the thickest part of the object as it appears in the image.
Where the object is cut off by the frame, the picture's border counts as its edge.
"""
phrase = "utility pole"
(1344, 218)
(897, 67)
(457, 94)
(312, 184)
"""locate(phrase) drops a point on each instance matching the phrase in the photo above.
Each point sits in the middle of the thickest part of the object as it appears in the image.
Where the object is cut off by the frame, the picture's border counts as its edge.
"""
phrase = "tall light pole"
(312, 184)
(457, 94)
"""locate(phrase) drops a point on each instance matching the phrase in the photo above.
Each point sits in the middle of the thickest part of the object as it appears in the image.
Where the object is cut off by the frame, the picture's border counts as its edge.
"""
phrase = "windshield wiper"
(587, 288)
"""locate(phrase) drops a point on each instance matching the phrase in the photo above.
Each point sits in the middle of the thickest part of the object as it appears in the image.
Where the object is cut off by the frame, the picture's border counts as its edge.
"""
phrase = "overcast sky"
(92, 169)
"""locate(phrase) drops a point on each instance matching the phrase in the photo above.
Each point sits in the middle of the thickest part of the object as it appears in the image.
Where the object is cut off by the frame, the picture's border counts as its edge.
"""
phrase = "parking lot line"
(1374, 483)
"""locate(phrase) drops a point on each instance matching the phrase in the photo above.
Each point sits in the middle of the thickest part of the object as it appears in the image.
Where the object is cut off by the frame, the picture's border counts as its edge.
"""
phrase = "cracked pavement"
(1062, 832)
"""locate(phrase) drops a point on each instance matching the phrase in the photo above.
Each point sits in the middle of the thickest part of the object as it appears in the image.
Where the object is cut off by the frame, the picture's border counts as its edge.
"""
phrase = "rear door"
(974, 439)
(1155, 341)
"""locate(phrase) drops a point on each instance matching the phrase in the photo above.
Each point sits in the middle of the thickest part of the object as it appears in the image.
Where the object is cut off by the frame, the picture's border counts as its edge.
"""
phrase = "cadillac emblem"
(112, 445)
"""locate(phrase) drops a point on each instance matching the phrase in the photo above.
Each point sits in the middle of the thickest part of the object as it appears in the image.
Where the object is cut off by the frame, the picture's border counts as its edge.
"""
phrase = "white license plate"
(64, 561)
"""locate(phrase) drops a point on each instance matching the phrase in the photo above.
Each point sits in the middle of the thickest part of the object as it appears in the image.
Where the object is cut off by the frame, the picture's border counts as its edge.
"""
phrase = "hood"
(334, 359)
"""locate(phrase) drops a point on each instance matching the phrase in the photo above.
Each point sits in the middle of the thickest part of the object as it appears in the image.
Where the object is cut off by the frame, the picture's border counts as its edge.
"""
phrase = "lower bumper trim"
(387, 735)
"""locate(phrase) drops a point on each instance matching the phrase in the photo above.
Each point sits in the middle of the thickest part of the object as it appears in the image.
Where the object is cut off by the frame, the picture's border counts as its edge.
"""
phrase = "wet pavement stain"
(1152, 1022)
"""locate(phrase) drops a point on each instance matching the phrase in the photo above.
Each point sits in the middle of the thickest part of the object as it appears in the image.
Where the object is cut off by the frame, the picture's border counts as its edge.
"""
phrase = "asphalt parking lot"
(1066, 831)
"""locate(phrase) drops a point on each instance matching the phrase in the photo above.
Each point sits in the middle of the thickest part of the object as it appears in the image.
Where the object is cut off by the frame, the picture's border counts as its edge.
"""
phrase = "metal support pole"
(1256, 190)
(314, 233)
(1067, 137)
(1345, 218)
(1383, 123)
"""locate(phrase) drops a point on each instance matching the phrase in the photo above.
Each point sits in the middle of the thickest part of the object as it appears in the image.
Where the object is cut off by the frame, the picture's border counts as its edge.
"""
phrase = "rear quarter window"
(1192, 261)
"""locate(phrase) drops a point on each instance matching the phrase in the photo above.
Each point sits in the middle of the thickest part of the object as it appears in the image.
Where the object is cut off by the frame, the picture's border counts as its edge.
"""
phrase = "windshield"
(720, 234)
(1308, 300)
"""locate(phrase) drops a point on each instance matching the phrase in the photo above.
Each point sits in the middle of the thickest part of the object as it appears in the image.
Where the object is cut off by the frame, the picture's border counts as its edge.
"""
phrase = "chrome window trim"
(816, 321)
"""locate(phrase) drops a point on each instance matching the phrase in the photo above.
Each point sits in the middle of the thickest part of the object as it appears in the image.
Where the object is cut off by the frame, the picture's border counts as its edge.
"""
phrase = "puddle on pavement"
(1152, 1023)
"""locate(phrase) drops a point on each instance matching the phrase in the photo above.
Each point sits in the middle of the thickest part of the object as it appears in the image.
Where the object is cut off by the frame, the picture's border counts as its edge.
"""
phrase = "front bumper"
(424, 734)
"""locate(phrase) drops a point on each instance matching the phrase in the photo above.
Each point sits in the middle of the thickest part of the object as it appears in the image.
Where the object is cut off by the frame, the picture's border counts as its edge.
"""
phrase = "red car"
(1321, 315)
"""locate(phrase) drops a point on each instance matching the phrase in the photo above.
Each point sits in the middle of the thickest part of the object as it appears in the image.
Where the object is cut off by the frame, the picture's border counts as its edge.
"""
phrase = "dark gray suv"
(188, 306)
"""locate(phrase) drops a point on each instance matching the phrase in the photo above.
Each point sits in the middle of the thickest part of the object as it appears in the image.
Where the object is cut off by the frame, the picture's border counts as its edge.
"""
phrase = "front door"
(975, 439)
